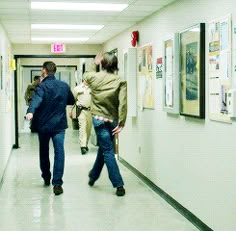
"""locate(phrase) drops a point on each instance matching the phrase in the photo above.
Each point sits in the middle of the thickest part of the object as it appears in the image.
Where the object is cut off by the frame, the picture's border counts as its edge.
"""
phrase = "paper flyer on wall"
(169, 92)
(219, 68)
(145, 78)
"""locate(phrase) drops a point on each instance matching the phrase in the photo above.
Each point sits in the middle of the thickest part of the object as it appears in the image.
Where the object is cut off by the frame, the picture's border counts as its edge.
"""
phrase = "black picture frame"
(192, 71)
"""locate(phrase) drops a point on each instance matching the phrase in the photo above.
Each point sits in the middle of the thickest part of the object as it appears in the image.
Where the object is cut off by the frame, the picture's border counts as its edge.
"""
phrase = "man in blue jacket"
(48, 113)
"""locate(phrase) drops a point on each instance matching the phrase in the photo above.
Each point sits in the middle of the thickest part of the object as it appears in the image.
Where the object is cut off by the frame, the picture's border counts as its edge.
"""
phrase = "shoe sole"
(57, 194)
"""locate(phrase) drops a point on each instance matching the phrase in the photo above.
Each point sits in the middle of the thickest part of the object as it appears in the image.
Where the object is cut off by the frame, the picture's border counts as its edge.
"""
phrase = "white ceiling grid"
(16, 16)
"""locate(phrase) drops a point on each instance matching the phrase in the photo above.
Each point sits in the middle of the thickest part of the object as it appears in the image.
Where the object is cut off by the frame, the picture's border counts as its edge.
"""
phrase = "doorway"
(69, 69)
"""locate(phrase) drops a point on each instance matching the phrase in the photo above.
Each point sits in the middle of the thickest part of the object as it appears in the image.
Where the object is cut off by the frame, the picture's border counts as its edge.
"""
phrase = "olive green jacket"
(30, 91)
(109, 95)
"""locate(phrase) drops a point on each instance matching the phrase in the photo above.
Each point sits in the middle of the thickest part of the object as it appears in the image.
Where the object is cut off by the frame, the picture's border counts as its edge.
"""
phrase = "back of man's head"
(50, 67)
(37, 78)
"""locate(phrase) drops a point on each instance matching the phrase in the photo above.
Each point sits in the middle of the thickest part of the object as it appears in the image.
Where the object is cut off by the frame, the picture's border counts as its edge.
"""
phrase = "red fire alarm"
(134, 36)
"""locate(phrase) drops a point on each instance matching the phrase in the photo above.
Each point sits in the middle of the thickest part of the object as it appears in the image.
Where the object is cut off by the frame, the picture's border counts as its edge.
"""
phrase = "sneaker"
(83, 150)
(57, 190)
(47, 182)
(87, 149)
(120, 191)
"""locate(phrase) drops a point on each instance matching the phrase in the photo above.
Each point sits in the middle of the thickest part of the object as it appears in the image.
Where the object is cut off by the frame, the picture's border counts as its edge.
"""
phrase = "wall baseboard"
(175, 204)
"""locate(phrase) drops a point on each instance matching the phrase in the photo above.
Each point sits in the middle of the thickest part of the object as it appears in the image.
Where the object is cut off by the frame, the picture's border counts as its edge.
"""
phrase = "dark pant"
(106, 154)
(59, 156)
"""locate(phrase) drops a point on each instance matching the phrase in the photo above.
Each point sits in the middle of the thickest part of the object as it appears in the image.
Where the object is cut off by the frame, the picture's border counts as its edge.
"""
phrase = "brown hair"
(110, 63)
(50, 67)
(37, 77)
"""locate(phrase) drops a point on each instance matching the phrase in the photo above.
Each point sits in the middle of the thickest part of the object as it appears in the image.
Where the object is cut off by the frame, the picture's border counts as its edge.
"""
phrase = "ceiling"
(16, 16)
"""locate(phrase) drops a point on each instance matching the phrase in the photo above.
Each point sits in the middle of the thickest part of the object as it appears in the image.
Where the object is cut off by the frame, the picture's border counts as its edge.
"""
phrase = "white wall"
(44, 49)
(192, 160)
(6, 109)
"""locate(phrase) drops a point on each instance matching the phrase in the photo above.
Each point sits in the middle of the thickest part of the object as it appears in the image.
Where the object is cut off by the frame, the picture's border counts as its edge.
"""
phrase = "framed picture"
(130, 75)
(171, 74)
(192, 71)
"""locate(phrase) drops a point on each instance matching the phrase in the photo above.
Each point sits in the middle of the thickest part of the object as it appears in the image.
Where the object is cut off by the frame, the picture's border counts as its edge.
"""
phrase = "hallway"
(26, 205)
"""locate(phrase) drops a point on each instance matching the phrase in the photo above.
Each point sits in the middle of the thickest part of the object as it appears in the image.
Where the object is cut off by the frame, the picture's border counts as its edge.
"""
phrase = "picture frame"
(130, 75)
(192, 71)
(171, 74)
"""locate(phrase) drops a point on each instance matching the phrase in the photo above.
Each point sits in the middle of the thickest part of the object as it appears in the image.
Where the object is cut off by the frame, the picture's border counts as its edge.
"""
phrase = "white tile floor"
(26, 205)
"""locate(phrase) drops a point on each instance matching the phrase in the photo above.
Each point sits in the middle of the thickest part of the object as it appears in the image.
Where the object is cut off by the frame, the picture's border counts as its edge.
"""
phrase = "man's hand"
(29, 116)
(70, 115)
(117, 130)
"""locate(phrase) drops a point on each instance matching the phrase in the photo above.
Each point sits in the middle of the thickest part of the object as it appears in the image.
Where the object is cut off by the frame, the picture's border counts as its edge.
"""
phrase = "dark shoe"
(47, 182)
(57, 190)
(120, 191)
(83, 150)
(91, 182)
(87, 149)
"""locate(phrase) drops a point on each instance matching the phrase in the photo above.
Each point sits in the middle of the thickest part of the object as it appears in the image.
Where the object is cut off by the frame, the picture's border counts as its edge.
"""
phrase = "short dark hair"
(50, 67)
(37, 77)
(110, 62)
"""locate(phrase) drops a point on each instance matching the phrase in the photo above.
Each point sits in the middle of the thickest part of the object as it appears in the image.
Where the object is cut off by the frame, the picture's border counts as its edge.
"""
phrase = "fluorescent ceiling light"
(77, 6)
(56, 39)
(65, 27)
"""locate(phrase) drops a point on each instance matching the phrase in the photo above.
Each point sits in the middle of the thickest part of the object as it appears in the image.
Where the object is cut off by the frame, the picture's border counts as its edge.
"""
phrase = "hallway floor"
(26, 205)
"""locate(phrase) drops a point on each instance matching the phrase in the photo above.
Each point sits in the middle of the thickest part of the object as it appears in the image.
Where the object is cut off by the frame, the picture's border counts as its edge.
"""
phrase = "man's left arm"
(122, 107)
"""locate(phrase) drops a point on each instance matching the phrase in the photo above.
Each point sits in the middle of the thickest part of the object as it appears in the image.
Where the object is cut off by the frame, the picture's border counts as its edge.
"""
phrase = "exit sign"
(58, 48)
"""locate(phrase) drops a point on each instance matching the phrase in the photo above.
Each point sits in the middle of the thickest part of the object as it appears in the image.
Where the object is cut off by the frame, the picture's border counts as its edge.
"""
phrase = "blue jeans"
(59, 156)
(106, 153)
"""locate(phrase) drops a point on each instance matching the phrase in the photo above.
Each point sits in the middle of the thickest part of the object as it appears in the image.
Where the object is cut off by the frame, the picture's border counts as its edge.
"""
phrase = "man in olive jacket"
(48, 113)
(31, 89)
(109, 111)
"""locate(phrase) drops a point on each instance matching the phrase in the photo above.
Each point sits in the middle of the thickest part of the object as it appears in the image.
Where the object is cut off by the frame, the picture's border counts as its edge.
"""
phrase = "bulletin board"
(145, 78)
(220, 46)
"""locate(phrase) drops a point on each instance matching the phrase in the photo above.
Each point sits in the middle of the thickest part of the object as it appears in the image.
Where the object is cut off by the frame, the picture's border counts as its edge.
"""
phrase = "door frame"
(17, 57)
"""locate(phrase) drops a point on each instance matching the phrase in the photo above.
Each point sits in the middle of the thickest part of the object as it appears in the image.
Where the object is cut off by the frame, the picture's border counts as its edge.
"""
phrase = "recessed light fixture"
(65, 27)
(77, 6)
(56, 39)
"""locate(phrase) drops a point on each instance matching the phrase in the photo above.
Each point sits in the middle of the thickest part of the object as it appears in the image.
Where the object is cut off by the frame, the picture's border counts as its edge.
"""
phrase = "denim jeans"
(59, 156)
(106, 153)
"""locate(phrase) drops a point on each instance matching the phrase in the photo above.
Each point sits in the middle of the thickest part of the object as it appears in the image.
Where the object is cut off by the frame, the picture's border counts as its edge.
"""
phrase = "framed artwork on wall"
(171, 74)
(130, 75)
(192, 71)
